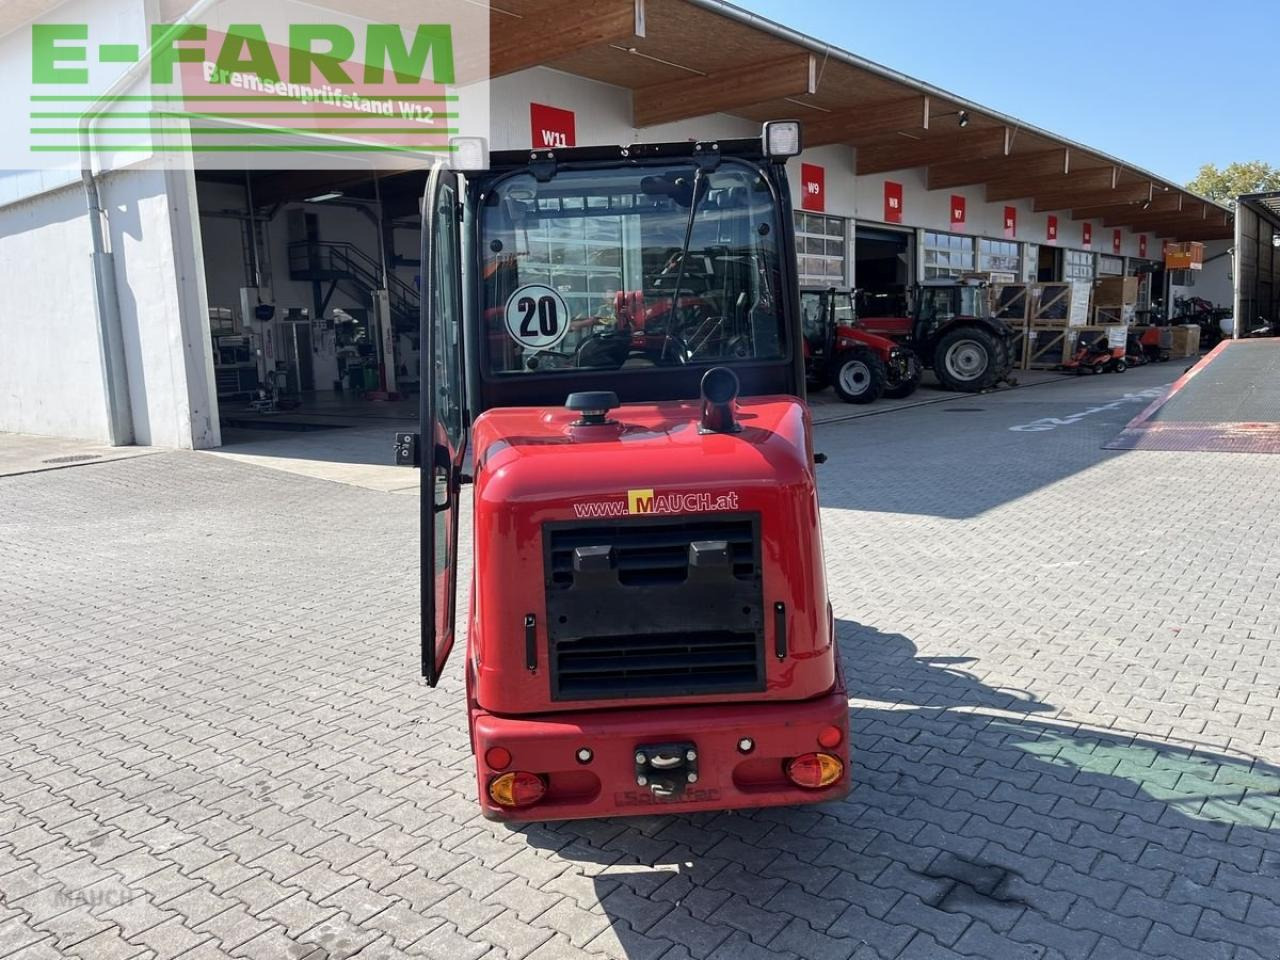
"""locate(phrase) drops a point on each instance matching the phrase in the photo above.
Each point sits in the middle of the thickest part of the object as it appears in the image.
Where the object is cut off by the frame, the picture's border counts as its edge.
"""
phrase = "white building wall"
(150, 233)
(54, 381)
(53, 372)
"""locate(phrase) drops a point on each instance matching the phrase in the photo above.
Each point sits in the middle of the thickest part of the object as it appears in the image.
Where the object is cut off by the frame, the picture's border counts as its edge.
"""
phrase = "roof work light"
(781, 139)
(469, 153)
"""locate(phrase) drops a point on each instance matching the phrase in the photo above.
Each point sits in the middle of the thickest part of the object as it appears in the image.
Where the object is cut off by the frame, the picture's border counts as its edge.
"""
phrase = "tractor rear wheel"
(858, 375)
(969, 359)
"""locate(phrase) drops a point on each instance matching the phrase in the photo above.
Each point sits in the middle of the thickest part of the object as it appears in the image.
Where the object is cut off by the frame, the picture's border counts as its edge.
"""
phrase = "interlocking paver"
(260, 765)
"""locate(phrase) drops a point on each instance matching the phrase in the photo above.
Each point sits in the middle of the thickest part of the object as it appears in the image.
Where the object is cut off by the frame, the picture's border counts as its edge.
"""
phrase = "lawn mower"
(1096, 356)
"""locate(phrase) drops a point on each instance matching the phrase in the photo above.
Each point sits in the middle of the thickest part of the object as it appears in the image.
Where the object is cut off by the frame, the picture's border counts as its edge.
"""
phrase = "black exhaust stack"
(719, 391)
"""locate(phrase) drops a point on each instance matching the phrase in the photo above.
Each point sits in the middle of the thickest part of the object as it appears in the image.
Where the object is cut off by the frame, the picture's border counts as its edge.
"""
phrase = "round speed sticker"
(537, 316)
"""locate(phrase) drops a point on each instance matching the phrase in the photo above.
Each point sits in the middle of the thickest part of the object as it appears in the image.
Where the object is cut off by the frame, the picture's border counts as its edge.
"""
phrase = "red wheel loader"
(615, 333)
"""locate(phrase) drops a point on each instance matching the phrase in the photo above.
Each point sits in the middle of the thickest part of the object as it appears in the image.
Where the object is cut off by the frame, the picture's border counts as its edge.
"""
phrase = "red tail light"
(498, 758)
(517, 789)
(813, 771)
(830, 737)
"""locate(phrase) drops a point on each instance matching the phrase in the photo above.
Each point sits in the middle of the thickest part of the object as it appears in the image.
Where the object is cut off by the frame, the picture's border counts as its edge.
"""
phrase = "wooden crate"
(1185, 340)
(1066, 303)
(1115, 291)
(1052, 303)
(1106, 315)
(1011, 302)
(1018, 345)
(1044, 346)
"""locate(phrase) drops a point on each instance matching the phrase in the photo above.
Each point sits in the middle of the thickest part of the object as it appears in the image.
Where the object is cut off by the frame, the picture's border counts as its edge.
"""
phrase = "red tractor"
(861, 366)
(951, 330)
(649, 626)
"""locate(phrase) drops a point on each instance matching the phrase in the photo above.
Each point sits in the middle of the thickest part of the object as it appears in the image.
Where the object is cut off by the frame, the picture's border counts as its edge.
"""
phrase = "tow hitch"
(666, 768)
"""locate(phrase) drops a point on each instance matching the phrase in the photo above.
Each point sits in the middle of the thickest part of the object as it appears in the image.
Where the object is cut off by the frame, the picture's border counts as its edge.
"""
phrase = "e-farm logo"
(646, 502)
(285, 85)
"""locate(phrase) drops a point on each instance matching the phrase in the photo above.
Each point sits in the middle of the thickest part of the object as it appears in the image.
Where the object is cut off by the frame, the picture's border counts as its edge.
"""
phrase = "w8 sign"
(813, 187)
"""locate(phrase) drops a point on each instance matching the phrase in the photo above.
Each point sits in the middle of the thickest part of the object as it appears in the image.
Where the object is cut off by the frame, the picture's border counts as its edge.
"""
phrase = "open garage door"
(313, 290)
(884, 263)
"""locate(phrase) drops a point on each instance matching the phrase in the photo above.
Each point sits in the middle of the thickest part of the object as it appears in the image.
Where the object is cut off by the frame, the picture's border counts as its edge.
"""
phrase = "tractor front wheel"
(968, 360)
(858, 375)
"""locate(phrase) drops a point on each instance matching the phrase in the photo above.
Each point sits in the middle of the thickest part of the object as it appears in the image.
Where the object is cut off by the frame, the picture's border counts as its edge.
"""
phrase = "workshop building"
(207, 281)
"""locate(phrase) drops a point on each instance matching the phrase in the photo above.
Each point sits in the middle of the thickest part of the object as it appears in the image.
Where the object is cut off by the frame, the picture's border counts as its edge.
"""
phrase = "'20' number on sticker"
(536, 316)
(547, 314)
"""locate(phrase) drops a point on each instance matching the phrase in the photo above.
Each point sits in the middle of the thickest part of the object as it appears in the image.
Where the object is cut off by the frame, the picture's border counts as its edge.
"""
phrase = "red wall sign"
(1086, 235)
(957, 210)
(1116, 241)
(1051, 228)
(551, 127)
(892, 202)
(1142, 244)
(813, 187)
(1010, 222)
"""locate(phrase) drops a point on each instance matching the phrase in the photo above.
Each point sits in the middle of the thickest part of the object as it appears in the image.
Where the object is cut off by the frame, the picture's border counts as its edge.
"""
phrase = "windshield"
(946, 302)
(580, 272)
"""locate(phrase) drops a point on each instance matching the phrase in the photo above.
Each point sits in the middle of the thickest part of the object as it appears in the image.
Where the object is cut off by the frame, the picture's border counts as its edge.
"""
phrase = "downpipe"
(115, 371)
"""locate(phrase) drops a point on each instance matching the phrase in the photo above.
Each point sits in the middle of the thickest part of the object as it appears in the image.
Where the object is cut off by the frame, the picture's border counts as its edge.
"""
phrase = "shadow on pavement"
(999, 836)
(961, 459)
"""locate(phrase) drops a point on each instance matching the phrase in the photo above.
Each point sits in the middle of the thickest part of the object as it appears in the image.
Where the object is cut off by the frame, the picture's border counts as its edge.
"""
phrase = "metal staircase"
(338, 262)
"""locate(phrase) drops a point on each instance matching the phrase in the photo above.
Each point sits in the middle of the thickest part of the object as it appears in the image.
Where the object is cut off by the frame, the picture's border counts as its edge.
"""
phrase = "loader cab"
(624, 273)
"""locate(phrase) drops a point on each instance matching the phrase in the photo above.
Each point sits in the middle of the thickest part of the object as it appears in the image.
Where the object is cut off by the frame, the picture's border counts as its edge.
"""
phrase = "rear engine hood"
(540, 459)
(540, 478)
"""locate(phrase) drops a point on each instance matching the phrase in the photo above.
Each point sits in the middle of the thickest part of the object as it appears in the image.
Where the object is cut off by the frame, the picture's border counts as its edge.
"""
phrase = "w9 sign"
(813, 188)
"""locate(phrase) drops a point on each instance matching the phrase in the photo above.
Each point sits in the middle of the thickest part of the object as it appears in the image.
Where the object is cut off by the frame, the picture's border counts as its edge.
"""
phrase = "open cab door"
(442, 416)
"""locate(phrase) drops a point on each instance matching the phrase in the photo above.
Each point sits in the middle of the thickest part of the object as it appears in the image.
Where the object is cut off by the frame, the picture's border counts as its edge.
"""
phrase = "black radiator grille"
(648, 553)
(654, 607)
(672, 664)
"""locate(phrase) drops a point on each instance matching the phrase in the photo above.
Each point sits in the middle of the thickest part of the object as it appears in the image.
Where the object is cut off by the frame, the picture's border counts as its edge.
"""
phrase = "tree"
(1236, 179)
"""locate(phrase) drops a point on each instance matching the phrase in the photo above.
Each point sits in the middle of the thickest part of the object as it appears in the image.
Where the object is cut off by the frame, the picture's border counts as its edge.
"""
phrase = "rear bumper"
(606, 786)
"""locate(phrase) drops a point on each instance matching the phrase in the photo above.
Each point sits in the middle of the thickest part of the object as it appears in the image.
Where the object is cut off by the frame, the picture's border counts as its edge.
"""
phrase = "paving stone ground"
(1063, 662)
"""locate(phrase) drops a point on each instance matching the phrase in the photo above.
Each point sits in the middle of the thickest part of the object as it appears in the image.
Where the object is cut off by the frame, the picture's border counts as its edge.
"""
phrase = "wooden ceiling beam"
(561, 28)
(1016, 187)
(1141, 222)
(960, 173)
(903, 153)
(872, 120)
(1086, 196)
(1159, 203)
(690, 96)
